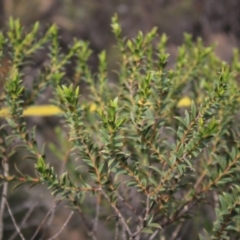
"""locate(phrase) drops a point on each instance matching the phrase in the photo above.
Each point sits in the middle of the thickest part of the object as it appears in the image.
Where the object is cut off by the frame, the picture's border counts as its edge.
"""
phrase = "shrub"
(136, 151)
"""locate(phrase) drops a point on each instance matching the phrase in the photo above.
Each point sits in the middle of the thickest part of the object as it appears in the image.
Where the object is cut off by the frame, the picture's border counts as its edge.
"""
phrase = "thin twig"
(28, 225)
(13, 219)
(154, 234)
(147, 208)
(21, 207)
(48, 224)
(63, 226)
(116, 229)
(130, 207)
(124, 234)
(4, 193)
(183, 230)
(43, 221)
(146, 215)
(28, 213)
(83, 218)
(50, 219)
(118, 213)
(139, 229)
(176, 231)
(180, 212)
(95, 223)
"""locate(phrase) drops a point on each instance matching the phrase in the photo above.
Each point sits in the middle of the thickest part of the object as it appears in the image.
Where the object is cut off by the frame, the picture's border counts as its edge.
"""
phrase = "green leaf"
(155, 225)
(156, 169)
(147, 230)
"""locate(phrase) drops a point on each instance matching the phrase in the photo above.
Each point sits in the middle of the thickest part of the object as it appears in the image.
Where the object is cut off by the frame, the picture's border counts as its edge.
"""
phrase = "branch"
(130, 207)
(85, 221)
(154, 234)
(28, 213)
(118, 213)
(44, 220)
(143, 223)
(62, 228)
(116, 230)
(13, 219)
(4, 193)
(95, 223)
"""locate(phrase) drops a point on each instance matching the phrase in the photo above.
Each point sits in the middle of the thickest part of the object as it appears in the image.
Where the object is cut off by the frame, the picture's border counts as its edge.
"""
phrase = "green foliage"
(153, 163)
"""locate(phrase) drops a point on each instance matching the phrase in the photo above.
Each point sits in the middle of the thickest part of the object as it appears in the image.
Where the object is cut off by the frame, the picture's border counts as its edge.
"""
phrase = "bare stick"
(154, 234)
(4, 193)
(139, 235)
(83, 218)
(95, 223)
(147, 211)
(43, 221)
(124, 234)
(13, 219)
(116, 230)
(62, 228)
(147, 208)
(118, 213)
(176, 231)
(130, 207)
(49, 221)
(23, 221)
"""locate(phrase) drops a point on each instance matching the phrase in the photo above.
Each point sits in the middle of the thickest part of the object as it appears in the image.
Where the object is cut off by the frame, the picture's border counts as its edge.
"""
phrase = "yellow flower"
(41, 110)
(93, 107)
(184, 102)
(49, 110)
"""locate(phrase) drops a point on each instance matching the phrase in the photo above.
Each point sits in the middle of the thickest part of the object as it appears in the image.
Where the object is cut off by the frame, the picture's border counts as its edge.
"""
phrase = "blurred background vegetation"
(216, 21)
(213, 20)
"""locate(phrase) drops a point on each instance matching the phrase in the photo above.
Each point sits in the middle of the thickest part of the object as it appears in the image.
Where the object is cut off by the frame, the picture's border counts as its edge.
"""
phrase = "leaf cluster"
(136, 149)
